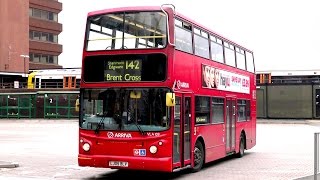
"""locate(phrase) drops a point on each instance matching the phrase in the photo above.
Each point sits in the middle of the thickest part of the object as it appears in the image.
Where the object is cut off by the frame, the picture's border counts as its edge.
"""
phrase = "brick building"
(28, 37)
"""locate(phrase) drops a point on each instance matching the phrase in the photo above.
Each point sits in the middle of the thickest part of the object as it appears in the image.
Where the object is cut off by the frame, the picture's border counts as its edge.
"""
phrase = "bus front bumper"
(126, 162)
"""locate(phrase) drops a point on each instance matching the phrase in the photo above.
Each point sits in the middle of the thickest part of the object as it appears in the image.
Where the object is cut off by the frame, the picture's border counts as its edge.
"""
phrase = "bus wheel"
(241, 147)
(198, 157)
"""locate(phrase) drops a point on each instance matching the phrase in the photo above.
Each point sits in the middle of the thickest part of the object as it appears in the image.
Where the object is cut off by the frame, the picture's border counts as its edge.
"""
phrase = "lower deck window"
(202, 110)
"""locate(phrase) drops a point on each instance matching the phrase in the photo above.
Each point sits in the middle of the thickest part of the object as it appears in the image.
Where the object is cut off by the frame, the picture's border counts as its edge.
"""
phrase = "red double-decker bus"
(161, 92)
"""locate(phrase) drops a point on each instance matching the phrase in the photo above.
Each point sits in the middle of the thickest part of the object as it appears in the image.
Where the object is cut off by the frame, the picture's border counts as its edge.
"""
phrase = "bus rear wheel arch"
(198, 155)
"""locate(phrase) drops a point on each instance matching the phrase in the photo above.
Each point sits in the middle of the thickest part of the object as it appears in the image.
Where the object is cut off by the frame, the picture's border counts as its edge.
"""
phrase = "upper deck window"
(250, 62)
(241, 62)
(229, 54)
(216, 49)
(126, 30)
(201, 43)
(183, 36)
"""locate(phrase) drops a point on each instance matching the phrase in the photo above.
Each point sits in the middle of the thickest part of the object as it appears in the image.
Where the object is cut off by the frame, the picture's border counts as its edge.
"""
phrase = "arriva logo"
(110, 134)
(182, 84)
(119, 135)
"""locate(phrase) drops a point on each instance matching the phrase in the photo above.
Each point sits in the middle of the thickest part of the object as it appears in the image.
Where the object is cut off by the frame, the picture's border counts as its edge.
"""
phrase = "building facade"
(44, 29)
(288, 94)
(28, 38)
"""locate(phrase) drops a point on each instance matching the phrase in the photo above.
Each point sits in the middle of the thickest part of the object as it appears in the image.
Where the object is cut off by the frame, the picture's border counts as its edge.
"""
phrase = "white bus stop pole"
(316, 155)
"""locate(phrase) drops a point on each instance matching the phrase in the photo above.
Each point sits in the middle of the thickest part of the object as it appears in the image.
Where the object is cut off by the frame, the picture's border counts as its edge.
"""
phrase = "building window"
(43, 14)
(43, 58)
(36, 36)
(36, 13)
(43, 36)
(36, 58)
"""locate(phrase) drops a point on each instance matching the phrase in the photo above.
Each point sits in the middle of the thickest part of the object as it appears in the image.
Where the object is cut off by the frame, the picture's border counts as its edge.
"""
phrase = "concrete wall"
(287, 101)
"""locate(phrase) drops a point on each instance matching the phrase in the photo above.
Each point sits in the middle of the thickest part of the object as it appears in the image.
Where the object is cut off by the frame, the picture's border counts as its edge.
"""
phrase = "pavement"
(288, 121)
(6, 164)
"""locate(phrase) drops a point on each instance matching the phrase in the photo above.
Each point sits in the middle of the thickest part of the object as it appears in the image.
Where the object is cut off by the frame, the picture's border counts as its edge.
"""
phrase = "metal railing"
(42, 85)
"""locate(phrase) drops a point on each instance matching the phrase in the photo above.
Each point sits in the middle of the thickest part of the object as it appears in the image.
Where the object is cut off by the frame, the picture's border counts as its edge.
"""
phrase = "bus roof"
(157, 8)
(129, 8)
(189, 20)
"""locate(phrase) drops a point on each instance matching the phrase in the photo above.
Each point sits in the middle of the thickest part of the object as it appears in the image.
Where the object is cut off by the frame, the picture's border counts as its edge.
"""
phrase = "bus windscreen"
(126, 30)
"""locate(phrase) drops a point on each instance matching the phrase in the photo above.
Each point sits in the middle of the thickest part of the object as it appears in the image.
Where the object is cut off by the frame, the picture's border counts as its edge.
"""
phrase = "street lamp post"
(24, 63)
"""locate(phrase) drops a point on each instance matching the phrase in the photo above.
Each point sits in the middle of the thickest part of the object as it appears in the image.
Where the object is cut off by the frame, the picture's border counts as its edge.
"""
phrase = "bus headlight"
(86, 146)
(153, 149)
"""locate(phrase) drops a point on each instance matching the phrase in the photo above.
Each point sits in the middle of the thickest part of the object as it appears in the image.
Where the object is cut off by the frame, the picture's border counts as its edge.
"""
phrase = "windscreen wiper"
(96, 131)
(139, 128)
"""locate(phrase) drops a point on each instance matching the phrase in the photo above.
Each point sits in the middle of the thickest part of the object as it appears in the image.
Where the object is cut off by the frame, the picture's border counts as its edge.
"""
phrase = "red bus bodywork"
(184, 75)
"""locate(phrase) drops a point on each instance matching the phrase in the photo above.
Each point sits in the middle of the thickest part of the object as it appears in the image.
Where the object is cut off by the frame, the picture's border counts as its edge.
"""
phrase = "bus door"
(182, 135)
(231, 125)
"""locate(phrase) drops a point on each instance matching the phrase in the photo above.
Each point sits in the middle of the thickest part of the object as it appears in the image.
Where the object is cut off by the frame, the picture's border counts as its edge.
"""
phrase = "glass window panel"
(55, 38)
(30, 34)
(50, 37)
(44, 36)
(36, 57)
(196, 31)
(44, 58)
(178, 23)
(250, 63)
(116, 31)
(183, 39)
(36, 13)
(230, 57)
(50, 16)
(99, 41)
(36, 35)
(241, 62)
(241, 110)
(202, 109)
(50, 59)
(55, 59)
(248, 110)
(55, 17)
(217, 110)
(201, 46)
(217, 52)
(44, 14)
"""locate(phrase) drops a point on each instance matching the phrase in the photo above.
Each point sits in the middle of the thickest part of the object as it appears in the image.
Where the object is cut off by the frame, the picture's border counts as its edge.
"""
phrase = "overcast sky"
(284, 35)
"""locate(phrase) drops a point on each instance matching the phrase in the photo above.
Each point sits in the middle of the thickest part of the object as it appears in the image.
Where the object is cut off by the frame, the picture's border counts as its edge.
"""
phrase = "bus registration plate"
(118, 163)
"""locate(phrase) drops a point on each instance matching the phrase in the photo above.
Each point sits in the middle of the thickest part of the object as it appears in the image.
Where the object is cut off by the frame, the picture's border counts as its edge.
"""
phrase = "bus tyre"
(241, 147)
(198, 157)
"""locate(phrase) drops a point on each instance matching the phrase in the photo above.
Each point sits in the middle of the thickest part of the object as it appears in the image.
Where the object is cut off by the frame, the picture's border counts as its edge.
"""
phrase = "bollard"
(316, 155)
